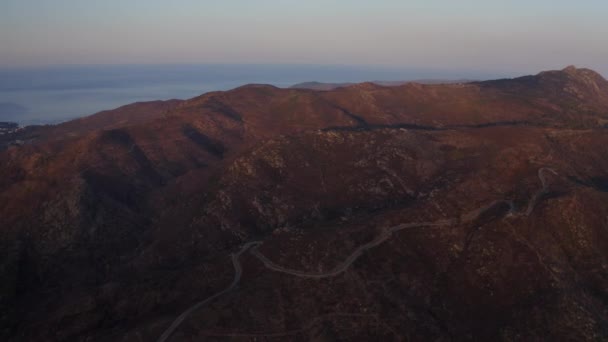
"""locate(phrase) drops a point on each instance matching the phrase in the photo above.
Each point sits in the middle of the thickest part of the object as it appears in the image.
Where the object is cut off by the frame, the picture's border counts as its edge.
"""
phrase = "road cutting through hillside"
(385, 235)
(238, 271)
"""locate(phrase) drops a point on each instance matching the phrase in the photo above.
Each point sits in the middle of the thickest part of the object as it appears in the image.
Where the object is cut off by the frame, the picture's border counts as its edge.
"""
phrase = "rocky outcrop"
(111, 232)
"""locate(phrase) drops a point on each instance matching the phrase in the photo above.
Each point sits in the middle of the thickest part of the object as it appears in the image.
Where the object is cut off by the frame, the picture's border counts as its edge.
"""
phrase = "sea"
(50, 95)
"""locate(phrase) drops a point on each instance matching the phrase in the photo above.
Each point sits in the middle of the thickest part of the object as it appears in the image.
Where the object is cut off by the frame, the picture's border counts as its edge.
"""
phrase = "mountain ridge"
(314, 85)
(115, 224)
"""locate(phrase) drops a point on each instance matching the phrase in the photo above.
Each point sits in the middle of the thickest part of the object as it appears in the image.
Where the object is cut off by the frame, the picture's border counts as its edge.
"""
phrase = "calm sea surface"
(55, 94)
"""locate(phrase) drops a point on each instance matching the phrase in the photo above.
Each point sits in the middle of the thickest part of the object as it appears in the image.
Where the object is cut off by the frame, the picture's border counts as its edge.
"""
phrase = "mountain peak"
(572, 73)
(253, 177)
(581, 83)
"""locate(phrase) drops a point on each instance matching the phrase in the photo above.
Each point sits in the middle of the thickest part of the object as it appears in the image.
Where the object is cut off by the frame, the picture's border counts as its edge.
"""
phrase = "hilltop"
(469, 210)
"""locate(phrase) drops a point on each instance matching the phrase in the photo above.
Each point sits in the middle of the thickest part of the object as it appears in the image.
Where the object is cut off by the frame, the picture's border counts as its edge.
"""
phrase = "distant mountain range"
(332, 86)
(365, 212)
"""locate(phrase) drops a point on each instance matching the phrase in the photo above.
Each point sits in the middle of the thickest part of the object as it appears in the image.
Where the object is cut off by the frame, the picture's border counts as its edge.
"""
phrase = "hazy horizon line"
(370, 66)
(433, 73)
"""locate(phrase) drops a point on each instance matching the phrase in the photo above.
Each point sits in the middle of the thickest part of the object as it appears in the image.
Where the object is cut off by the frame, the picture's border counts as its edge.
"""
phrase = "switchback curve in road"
(238, 271)
(385, 235)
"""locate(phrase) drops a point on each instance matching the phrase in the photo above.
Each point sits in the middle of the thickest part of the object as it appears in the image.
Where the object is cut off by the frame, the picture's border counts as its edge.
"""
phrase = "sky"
(491, 35)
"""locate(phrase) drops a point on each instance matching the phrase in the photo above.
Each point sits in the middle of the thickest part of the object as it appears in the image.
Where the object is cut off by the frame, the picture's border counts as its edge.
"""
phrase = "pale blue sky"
(496, 35)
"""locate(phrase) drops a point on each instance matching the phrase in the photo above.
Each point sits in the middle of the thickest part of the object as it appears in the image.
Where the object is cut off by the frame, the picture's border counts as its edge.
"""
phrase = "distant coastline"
(7, 127)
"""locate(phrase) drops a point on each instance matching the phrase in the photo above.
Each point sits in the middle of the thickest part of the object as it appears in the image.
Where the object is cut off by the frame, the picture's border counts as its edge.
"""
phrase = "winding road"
(385, 235)
(238, 271)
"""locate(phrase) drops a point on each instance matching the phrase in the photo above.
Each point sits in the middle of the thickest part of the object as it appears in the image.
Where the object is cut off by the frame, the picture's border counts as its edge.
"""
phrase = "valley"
(460, 211)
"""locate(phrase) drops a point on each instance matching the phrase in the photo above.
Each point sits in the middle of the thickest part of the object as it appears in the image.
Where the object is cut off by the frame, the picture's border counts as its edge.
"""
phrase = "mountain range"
(332, 86)
(452, 211)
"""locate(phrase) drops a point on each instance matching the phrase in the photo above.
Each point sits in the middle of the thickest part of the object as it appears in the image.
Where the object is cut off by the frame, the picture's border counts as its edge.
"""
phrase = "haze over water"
(55, 94)
(280, 42)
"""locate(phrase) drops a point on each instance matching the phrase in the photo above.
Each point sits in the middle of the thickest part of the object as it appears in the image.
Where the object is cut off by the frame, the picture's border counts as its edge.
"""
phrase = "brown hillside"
(415, 212)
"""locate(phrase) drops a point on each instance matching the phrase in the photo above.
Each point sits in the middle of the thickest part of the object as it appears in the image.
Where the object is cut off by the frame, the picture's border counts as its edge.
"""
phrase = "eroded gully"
(384, 235)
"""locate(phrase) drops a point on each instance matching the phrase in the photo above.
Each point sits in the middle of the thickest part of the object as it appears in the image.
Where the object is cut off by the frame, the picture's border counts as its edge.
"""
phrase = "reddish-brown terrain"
(472, 211)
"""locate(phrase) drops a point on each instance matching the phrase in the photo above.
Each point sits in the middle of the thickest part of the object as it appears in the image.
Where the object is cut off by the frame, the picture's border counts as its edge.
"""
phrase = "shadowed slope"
(113, 225)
